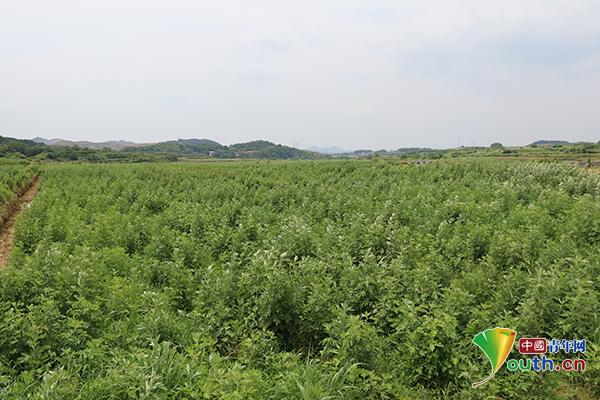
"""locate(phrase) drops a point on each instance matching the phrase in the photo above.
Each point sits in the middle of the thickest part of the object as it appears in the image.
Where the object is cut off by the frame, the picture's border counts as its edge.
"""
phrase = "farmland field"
(298, 280)
(14, 179)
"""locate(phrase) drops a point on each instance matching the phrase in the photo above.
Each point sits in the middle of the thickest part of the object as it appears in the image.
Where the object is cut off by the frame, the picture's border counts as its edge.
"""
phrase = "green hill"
(256, 149)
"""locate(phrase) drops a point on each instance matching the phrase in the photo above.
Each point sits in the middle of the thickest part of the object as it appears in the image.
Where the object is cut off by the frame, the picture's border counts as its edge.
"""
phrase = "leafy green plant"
(336, 279)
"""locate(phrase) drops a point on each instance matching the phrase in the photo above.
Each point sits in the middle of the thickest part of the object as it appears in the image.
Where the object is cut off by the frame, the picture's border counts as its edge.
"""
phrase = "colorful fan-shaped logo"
(496, 344)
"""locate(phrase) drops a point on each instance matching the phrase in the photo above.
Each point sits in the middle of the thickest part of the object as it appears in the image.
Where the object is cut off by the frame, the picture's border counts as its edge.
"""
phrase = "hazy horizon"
(312, 147)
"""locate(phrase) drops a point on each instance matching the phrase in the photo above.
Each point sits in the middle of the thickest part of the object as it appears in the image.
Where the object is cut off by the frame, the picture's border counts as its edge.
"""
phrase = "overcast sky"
(354, 74)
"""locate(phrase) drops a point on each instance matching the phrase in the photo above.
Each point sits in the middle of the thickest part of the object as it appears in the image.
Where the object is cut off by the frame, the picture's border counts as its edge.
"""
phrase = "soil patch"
(594, 170)
(14, 209)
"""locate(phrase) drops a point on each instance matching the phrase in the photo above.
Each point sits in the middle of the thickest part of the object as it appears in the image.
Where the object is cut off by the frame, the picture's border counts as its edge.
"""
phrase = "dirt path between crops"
(7, 228)
(591, 170)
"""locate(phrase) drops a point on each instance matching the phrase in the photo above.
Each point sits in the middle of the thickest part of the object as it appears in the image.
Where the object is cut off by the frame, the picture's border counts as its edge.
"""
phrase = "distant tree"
(496, 145)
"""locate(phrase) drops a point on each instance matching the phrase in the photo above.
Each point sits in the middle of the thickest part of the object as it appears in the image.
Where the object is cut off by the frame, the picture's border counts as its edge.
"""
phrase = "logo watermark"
(498, 342)
(543, 346)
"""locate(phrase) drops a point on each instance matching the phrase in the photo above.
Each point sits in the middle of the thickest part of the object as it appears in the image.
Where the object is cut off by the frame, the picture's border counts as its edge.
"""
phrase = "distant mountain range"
(256, 149)
(186, 146)
(327, 150)
(112, 144)
(170, 145)
(42, 149)
(116, 144)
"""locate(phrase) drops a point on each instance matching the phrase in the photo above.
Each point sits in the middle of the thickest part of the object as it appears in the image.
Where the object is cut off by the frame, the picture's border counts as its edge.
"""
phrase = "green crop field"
(14, 179)
(299, 280)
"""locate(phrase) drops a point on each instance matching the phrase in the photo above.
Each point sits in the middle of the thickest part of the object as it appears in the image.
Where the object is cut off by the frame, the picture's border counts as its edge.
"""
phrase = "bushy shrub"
(296, 280)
